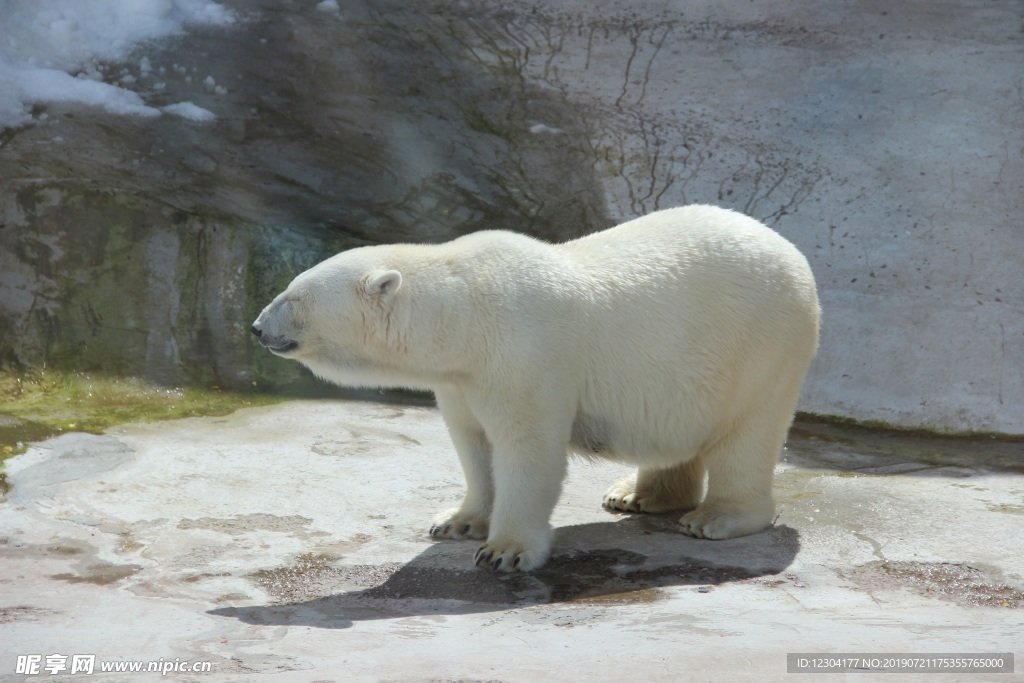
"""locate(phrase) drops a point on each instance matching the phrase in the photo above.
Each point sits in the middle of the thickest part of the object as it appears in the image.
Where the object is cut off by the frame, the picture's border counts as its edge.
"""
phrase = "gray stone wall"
(886, 140)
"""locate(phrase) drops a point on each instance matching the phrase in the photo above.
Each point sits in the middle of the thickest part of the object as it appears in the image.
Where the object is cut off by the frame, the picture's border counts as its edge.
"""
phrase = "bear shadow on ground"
(629, 561)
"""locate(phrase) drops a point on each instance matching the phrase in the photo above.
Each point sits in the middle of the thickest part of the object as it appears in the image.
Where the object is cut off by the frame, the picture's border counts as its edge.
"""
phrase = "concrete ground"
(288, 543)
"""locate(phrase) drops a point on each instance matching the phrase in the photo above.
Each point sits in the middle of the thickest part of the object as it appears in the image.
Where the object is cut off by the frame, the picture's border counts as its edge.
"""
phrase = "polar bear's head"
(356, 320)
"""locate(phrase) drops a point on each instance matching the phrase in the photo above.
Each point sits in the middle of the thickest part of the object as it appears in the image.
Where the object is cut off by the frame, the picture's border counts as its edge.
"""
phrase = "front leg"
(528, 474)
(471, 519)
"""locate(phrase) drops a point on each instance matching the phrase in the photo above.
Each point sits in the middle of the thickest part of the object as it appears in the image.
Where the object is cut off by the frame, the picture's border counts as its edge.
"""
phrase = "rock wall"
(148, 245)
(885, 140)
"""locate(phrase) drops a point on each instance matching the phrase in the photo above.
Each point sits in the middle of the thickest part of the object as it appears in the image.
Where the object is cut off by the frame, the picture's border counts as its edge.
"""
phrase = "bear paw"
(458, 525)
(626, 496)
(622, 497)
(514, 555)
(717, 524)
(502, 557)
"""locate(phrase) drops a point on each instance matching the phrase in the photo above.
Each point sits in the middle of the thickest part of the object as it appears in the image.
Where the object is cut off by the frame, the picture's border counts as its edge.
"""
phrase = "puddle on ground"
(100, 573)
(861, 451)
(126, 545)
(16, 433)
(960, 583)
(1007, 508)
(196, 578)
(65, 546)
(10, 615)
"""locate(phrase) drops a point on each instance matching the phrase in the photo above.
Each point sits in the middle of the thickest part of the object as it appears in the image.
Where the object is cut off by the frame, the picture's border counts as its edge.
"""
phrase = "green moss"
(38, 404)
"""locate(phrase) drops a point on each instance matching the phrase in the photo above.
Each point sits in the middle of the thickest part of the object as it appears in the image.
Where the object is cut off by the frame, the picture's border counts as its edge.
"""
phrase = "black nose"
(257, 331)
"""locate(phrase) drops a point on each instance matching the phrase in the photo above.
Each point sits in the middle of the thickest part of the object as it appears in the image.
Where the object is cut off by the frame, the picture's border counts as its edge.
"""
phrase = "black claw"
(465, 530)
(483, 556)
(496, 564)
(447, 529)
(515, 562)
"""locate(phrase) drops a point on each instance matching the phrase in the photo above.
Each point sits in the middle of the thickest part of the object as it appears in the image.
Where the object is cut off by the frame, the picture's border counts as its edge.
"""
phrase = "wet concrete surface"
(290, 543)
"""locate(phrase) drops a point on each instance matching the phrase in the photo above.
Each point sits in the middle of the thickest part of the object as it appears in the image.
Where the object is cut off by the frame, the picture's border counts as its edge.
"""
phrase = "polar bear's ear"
(383, 283)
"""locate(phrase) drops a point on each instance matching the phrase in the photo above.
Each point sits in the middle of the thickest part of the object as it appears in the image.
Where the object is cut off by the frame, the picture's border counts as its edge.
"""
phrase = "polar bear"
(677, 342)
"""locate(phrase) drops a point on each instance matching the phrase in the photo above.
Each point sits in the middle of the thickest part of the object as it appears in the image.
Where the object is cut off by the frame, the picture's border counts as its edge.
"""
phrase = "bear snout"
(273, 343)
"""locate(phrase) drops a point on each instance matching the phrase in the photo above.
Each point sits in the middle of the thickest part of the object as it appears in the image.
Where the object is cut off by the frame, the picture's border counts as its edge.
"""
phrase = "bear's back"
(712, 256)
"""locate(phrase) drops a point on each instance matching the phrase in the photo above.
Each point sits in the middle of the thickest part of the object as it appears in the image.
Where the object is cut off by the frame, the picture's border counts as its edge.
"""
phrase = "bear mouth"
(283, 349)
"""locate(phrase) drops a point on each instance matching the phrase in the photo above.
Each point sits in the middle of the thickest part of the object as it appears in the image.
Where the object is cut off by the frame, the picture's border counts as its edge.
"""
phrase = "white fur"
(677, 341)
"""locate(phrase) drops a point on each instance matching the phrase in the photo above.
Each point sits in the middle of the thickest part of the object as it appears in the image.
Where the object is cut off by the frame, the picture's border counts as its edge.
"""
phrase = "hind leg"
(654, 490)
(741, 468)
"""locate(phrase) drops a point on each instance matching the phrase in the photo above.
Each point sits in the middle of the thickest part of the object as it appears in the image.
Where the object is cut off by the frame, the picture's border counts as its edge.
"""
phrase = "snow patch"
(55, 50)
(187, 110)
(53, 85)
